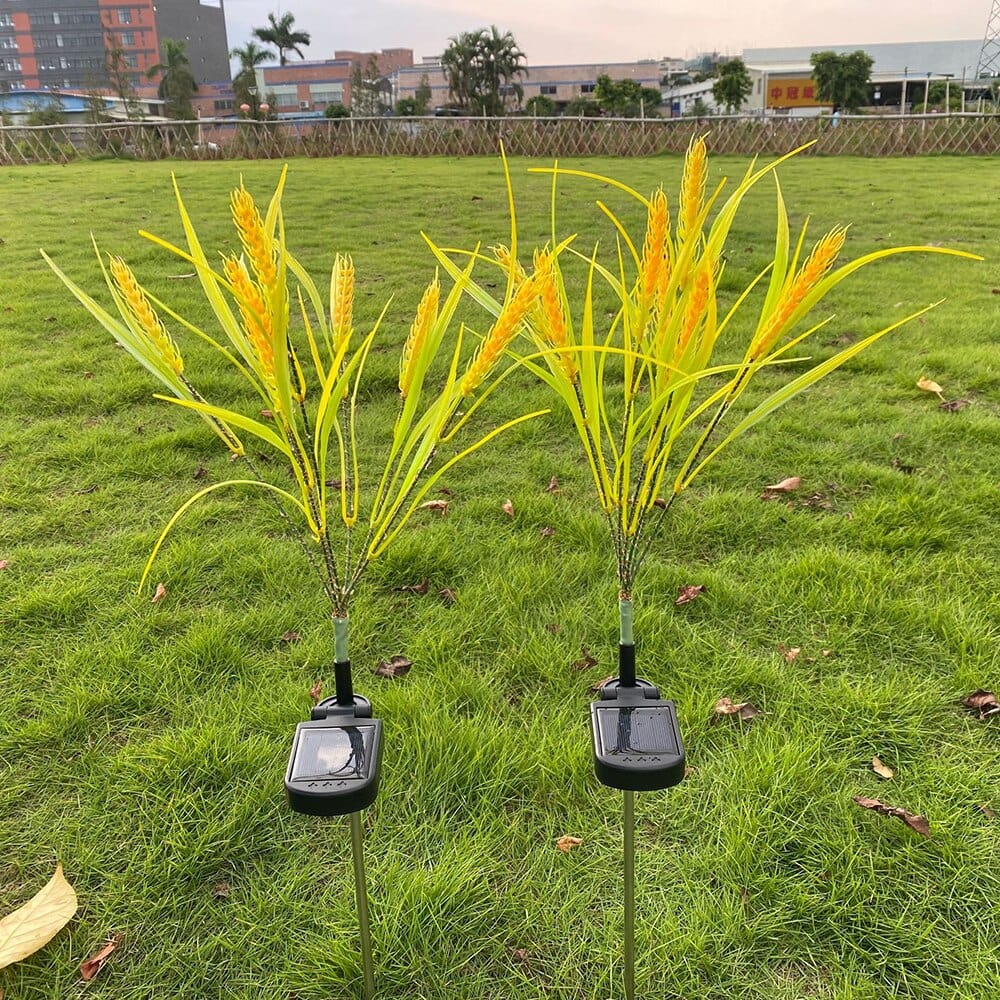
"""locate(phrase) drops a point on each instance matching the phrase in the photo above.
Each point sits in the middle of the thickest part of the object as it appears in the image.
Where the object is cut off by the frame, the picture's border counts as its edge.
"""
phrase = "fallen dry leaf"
(546, 532)
(790, 653)
(567, 843)
(438, 506)
(983, 702)
(587, 662)
(929, 385)
(445, 492)
(508, 508)
(266, 414)
(200, 472)
(395, 666)
(553, 486)
(35, 924)
(520, 954)
(290, 636)
(91, 966)
(413, 588)
(917, 823)
(161, 592)
(685, 595)
(881, 770)
(986, 811)
(221, 890)
(724, 707)
(4, 563)
(789, 485)
(447, 595)
(660, 503)
(954, 405)
(553, 627)
(598, 685)
(316, 691)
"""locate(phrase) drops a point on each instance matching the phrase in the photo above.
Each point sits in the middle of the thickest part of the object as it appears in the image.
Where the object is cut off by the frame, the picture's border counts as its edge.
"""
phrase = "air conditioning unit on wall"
(305, 106)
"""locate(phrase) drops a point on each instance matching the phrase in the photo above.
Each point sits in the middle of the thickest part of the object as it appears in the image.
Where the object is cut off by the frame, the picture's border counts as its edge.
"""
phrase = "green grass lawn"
(144, 745)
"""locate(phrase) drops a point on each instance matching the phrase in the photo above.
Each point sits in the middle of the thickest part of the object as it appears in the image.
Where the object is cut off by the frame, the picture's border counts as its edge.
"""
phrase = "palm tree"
(245, 82)
(483, 68)
(281, 36)
(177, 82)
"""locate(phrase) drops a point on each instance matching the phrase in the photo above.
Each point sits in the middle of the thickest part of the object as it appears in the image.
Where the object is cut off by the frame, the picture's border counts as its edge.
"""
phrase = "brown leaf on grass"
(725, 707)
(161, 592)
(954, 405)
(689, 593)
(789, 485)
(438, 506)
(91, 966)
(4, 564)
(983, 702)
(929, 385)
(520, 954)
(553, 486)
(290, 636)
(200, 472)
(587, 662)
(881, 770)
(918, 823)
(508, 508)
(790, 653)
(567, 843)
(316, 691)
(660, 503)
(221, 890)
(447, 595)
(395, 666)
(986, 811)
(266, 414)
(553, 627)
(413, 588)
(546, 532)
(34, 925)
(445, 492)
(598, 685)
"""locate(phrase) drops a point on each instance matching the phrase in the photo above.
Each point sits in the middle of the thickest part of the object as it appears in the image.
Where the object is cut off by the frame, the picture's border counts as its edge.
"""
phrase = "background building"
(64, 44)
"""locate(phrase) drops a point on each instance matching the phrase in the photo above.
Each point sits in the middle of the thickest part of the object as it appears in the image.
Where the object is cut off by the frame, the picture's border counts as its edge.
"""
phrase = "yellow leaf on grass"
(929, 385)
(36, 923)
(881, 769)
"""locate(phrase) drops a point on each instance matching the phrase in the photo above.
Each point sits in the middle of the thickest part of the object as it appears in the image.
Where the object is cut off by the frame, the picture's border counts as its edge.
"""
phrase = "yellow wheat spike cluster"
(695, 310)
(257, 245)
(501, 334)
(504, 259)
(693, 183)
(822, 258)
(144, 314)
(550, 319)
(655, 265)
(254, 313)
(423, 323)
(341, 301)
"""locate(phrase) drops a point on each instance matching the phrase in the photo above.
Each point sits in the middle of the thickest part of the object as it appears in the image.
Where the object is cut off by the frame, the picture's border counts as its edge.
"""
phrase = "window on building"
(55, 17)
(131, 60)
(124, 16)
(549, 89)
(224, 105)
(6, 21)
(586, 88)
(128, 38)
(327, 94)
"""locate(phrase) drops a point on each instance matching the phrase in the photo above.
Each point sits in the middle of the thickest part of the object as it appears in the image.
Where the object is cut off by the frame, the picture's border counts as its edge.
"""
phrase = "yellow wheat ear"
(416, 342)
(144, 315)
(257, 243)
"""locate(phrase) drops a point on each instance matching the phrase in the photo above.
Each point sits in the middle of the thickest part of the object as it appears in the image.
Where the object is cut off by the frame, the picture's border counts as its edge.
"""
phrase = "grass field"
(144, 745)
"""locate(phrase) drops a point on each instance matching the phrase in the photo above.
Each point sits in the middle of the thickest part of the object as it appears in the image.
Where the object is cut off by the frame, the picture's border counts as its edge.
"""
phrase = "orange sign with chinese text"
(793, 92)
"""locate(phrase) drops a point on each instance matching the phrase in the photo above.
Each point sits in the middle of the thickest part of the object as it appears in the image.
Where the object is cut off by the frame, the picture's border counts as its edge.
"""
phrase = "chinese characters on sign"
(792, 93)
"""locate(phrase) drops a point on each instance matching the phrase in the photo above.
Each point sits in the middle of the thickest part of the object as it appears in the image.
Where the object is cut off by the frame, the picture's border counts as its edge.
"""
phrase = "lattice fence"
(226, 139)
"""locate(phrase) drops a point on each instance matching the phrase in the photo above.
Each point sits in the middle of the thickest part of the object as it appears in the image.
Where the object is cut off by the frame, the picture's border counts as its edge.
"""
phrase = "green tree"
(698, 109)
(484, 68)
(177, 83)
(581, 107)
(336, 110)
(540, 106)
(120, 74)
(245, 82)
(423, 95)
(733, 85)
(282, 37)
(371, 92)
(842, 80)
(625, 98)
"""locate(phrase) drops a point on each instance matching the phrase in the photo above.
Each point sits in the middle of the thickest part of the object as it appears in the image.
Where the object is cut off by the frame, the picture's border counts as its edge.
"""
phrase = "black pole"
(342, 683)
(626, 665)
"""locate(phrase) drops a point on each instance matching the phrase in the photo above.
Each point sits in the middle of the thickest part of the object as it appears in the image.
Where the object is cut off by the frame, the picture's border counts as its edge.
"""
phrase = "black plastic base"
(637, 742)
(336, 759)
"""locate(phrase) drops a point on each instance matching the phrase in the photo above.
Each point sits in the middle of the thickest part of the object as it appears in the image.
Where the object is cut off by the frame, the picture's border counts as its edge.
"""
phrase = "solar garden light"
(676, 410)
(306, 377)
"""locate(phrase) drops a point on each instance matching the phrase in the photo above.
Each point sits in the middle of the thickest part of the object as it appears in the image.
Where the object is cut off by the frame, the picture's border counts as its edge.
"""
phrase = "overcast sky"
(568, 31)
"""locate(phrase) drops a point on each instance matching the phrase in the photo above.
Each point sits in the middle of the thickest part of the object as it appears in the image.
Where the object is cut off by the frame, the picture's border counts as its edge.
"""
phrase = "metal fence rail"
(911, 135)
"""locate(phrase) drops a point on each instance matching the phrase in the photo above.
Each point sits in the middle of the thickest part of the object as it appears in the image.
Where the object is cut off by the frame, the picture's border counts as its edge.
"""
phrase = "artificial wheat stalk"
(144, 314)
(255, 315)
(341, 301)
(504, 259)
(549, 315)
(423, 322)
(822, 258)
(501, 334)
(654, 250)
(695, 311)
(692, 198)
(257, 245)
